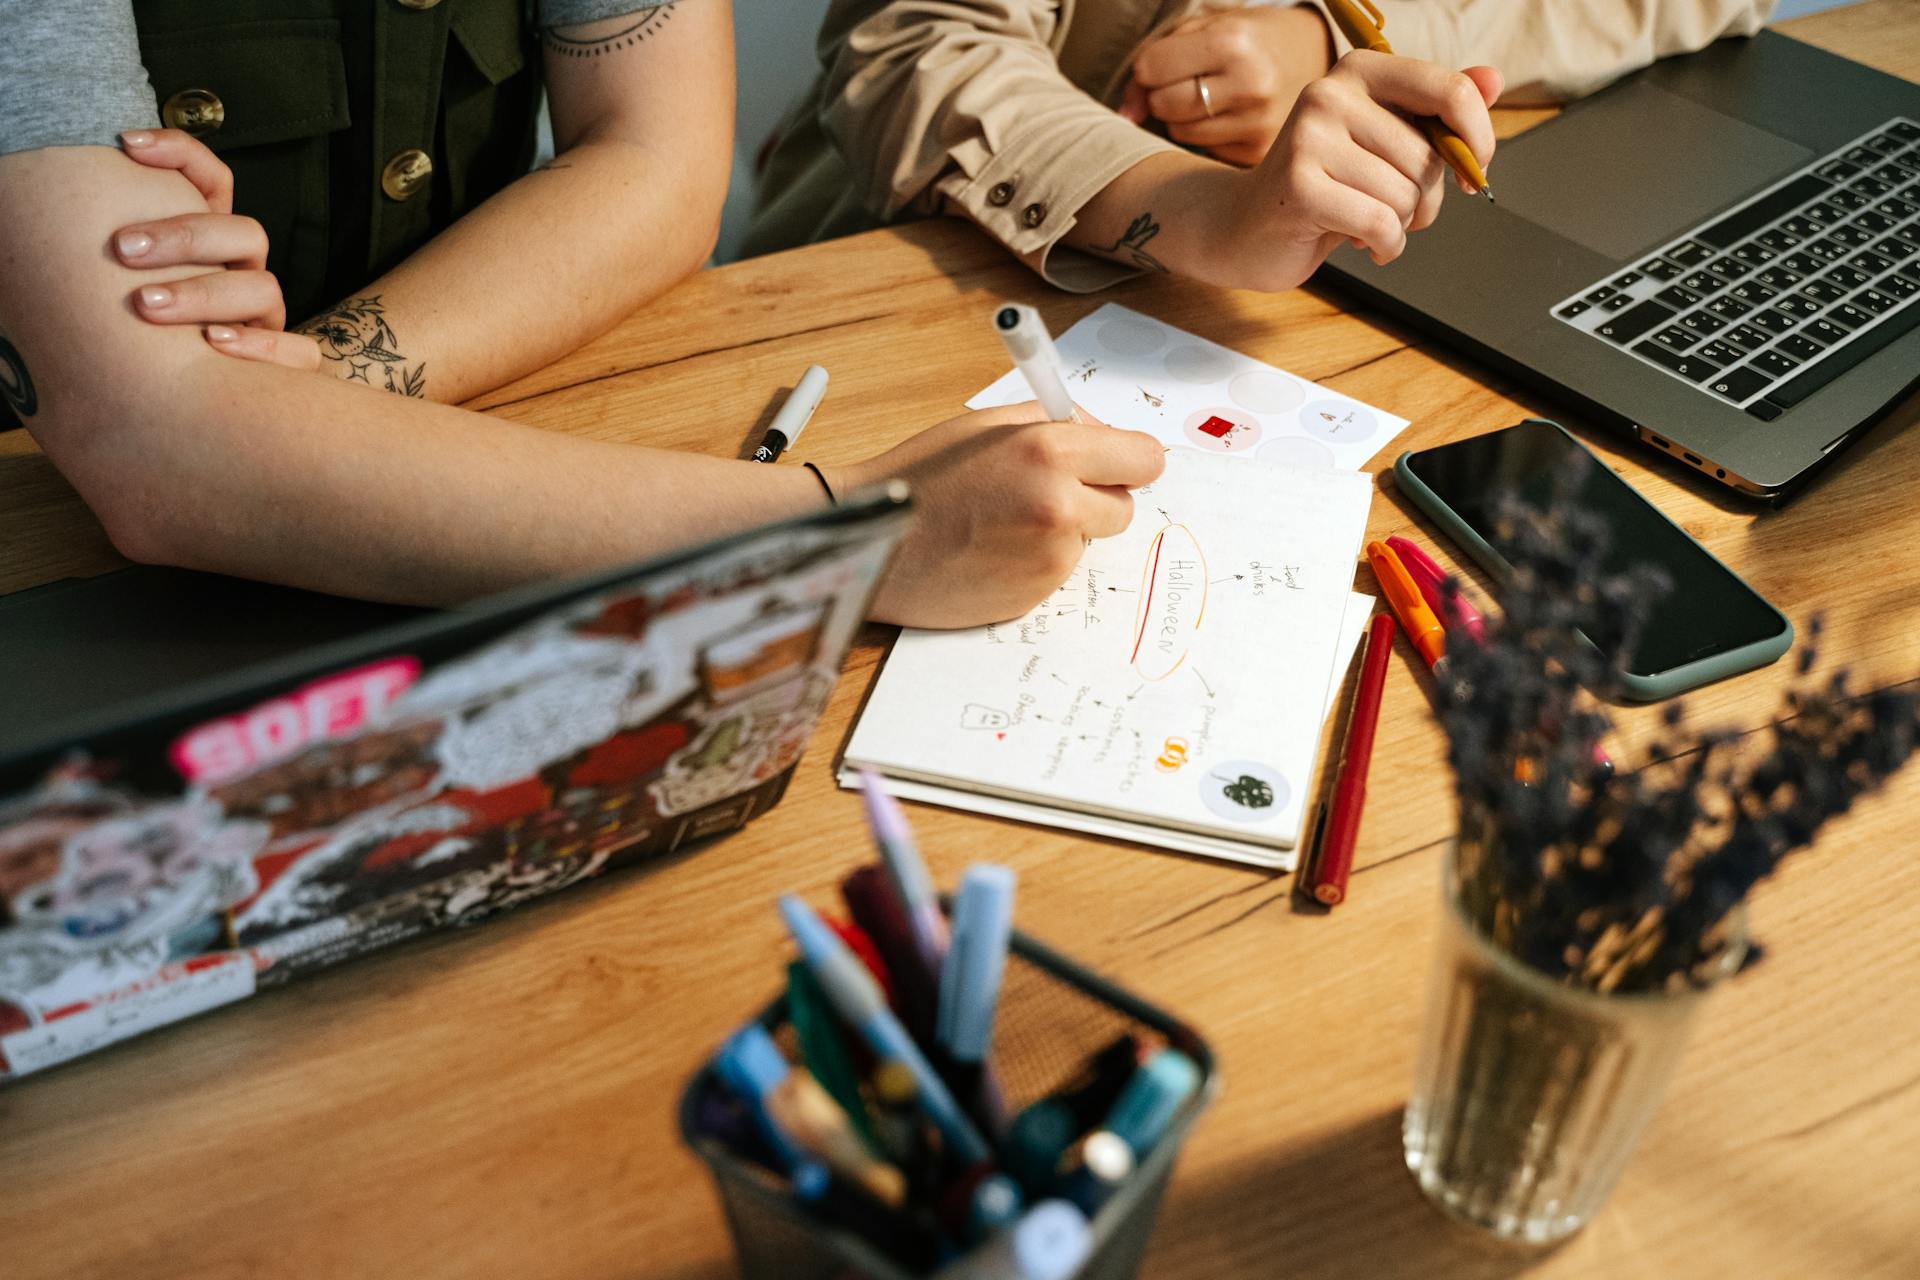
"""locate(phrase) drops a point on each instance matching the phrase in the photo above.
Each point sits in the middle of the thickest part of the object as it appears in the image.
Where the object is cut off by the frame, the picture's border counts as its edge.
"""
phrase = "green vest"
(356, 130)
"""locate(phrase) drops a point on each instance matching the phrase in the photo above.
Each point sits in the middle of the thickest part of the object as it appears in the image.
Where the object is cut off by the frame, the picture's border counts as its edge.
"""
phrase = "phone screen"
(1708, 611)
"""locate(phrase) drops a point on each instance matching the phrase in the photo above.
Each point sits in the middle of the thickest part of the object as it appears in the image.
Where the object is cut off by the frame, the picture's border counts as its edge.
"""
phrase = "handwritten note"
(1179, 678)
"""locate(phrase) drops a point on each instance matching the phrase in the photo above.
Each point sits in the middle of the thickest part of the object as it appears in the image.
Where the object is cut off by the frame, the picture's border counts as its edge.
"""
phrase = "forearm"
(267, 473)
(1165, 215)
(549, 263)
(192, 458)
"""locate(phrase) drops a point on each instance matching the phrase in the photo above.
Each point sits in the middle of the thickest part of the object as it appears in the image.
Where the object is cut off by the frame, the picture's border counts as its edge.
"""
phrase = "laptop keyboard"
(1779, 296)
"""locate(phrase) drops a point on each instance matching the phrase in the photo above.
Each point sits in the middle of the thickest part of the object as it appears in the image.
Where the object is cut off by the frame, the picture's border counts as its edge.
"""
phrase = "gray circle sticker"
(1126, 336)
(1338, 421)
(1265, 391)
(1245, 791)
(1200, 365)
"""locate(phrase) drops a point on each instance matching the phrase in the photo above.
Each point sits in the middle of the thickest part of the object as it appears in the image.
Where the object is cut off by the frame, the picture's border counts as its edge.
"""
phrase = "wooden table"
(500, 1102)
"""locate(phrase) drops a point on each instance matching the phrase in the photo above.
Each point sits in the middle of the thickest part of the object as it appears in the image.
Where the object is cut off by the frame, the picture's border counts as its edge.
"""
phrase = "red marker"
(1350, 784)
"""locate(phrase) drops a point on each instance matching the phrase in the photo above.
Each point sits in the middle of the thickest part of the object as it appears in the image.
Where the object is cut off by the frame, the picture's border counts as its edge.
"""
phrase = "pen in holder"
(1062, 1036)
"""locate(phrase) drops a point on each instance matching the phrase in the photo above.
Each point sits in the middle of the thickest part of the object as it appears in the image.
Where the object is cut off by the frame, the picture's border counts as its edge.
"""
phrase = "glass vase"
(1531, 1094)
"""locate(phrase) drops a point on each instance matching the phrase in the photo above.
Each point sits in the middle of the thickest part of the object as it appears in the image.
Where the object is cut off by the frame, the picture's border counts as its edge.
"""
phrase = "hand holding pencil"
(1361, 24)
(1351, 165)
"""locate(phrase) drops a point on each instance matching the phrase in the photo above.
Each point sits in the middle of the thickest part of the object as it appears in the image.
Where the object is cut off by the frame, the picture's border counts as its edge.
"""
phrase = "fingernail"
(221, 333)
(133, 244)
(155, 296)
(137, 138)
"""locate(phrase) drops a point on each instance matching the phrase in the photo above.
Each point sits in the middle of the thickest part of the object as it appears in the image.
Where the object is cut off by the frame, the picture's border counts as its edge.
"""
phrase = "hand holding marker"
(897, 1158)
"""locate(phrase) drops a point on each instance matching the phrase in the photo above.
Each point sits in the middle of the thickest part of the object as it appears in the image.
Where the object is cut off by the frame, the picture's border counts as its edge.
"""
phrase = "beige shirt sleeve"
(960, 106)
(1558, 50)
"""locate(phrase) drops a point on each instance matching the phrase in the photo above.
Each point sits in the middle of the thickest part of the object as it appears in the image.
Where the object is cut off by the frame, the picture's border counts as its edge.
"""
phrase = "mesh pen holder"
(1052, 1014)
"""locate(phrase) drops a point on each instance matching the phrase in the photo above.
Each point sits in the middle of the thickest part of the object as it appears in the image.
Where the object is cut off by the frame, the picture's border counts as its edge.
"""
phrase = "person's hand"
(1254, 63)
(1005, 503)
(237, 302)
(1351, 166)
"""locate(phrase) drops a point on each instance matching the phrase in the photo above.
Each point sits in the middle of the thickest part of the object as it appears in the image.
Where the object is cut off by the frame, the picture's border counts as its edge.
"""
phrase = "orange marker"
(1419, 622)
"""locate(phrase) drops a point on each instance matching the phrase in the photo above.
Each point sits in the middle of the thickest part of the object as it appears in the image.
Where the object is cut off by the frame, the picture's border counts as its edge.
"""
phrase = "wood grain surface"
(500, 1101)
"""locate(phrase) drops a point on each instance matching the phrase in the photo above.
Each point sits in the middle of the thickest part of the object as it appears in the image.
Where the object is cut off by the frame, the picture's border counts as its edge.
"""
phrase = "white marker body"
(1031, 347)
(798, 410)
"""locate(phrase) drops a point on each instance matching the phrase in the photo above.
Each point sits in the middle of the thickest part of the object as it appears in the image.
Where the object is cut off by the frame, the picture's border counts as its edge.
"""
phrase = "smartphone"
(1712, 624)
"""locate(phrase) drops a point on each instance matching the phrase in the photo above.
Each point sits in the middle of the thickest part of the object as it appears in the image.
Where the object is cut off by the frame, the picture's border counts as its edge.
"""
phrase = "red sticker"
(1216, 426)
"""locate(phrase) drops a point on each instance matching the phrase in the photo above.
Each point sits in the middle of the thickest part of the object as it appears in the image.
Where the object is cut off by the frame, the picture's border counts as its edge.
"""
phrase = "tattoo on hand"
(16, 384)
(1132, 247)
(356, 333)
(644, 23)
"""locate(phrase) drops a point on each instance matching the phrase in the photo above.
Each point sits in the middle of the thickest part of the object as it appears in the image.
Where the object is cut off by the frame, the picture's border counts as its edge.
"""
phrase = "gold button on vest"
(195, 111)
(406, 174)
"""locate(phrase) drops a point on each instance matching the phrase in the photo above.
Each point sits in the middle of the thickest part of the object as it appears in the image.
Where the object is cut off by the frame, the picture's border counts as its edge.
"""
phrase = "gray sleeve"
(70, 74)
(567, 13)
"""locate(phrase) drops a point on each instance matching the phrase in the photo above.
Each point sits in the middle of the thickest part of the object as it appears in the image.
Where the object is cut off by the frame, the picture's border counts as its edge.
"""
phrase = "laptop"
(1719, 254)
(171, 848)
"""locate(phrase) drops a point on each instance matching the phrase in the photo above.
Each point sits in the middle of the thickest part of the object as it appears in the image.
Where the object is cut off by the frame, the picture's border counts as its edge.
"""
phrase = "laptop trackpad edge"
(1636, 167)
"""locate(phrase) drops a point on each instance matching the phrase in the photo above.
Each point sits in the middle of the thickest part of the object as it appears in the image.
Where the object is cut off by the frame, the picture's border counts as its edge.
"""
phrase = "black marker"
(793, 416)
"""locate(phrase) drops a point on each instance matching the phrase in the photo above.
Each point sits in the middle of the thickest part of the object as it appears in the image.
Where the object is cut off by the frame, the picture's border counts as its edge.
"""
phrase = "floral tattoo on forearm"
(1132, 246)
(645, 22)
(356, 335)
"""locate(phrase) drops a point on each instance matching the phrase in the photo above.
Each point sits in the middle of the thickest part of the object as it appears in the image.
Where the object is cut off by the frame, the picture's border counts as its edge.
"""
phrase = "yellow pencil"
(1363, 31)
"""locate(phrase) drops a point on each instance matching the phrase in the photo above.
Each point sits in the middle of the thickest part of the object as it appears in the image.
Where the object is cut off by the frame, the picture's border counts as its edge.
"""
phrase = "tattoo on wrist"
(356, 335)
(1132, 246)
(641, 24)
(16, 384)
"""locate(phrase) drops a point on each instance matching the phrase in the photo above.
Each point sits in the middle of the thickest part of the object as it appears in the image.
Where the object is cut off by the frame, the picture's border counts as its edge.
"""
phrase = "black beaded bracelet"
(823, 482)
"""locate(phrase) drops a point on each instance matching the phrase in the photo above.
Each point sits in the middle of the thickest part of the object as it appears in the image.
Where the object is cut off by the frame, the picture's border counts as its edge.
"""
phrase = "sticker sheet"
(1132, 371)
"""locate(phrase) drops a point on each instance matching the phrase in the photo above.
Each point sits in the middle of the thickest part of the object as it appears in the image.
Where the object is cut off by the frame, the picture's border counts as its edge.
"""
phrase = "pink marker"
(1428, 576)
(905, 870)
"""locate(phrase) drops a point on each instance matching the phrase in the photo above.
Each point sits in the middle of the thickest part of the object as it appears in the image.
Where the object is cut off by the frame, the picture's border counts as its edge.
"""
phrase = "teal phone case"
(1642, 688)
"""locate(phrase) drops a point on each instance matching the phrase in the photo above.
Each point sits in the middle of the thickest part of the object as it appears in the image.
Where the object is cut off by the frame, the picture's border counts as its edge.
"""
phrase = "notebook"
(1171, 691)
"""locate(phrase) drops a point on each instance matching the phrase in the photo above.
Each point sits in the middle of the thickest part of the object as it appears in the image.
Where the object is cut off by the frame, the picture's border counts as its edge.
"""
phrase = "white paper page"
(1353, 625)
(1132, 371)
(1178, 676)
